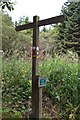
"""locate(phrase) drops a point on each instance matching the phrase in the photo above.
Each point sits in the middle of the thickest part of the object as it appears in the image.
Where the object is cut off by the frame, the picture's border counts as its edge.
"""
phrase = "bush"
(62, 81)
(16, 84)
(62, 85)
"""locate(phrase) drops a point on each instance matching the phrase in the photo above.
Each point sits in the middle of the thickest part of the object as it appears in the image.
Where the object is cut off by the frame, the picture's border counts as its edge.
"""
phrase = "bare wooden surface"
(36, 92)
(48, 21)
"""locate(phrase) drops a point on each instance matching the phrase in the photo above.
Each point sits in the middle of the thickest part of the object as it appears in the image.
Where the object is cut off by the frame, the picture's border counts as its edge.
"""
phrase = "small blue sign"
(41, 82)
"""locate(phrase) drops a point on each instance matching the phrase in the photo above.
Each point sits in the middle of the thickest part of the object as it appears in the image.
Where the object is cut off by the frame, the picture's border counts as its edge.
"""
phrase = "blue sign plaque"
(41, 82)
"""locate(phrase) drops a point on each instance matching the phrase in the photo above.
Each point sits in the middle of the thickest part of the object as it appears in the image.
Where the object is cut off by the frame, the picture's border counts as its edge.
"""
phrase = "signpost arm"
(36, 91)
(37, 88)
(48, 21)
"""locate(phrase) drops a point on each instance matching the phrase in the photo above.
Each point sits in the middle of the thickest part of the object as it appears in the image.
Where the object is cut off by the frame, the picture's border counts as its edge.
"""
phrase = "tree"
(69, 33)
(6, 19)
(14, 43)
(72, 24)
(48, 41)
(24, 20)
(8, 5)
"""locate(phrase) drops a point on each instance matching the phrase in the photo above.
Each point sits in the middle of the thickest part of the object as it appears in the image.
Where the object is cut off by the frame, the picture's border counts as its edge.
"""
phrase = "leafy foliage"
(19, 43)
(49, 41)
(16, 86)
(61, 85)
(70, 30)
(14, 43)
(8, 5)
(70, 33)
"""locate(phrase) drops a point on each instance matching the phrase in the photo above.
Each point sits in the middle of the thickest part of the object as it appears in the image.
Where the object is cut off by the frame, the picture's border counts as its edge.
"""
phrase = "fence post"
(36, 91)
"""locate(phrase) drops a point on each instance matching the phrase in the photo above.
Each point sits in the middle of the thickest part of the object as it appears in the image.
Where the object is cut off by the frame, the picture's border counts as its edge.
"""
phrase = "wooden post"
(36, 91)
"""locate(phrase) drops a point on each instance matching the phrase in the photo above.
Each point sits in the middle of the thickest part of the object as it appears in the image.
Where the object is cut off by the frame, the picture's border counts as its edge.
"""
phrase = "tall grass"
(16, 82)
(61, 83)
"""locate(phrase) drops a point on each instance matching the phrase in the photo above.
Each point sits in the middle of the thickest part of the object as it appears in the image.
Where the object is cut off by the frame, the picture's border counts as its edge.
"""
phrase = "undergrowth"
(61, 86)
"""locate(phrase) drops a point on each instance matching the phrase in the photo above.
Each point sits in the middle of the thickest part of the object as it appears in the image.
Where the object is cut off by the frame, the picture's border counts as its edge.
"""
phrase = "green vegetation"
(16, 82)
(7, 4)
(59, 62)
(70, 29)
(14, 43)
(69, 33)
(61, 86)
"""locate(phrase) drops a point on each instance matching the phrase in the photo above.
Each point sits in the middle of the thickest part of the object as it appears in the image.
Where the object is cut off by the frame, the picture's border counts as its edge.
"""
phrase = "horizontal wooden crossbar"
(48, 21)
(24, 27)
(52, 20)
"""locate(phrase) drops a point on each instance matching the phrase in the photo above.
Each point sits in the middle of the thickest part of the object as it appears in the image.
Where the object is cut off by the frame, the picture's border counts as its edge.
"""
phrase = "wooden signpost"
(36, 86)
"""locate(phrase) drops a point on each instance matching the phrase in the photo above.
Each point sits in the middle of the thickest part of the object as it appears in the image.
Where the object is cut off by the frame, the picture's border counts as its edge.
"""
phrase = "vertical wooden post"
(36, 91)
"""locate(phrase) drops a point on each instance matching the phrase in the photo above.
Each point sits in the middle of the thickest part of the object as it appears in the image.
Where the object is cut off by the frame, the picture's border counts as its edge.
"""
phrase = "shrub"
(16, 84)
(62, 85)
